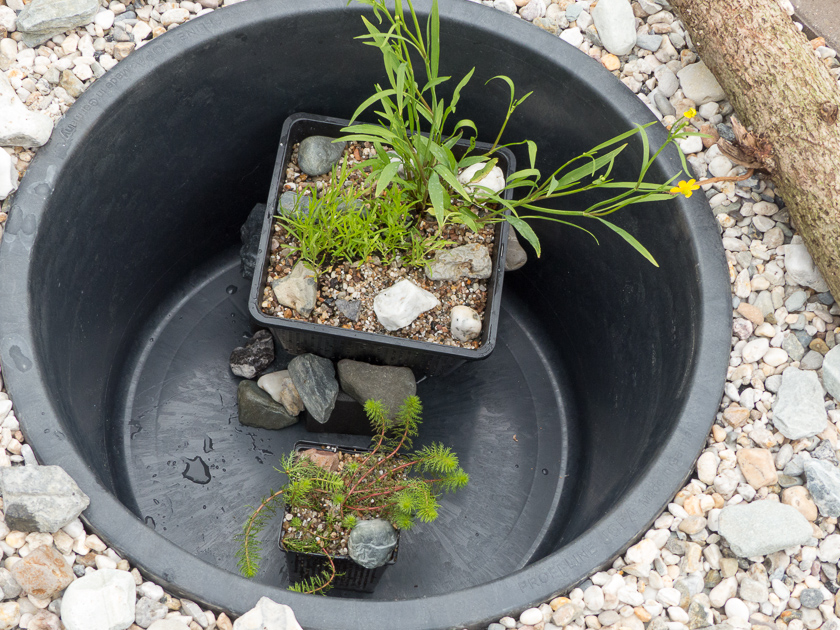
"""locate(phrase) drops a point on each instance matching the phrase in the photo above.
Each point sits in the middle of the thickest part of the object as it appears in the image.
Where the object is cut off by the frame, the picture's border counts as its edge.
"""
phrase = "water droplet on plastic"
(208, 444)
(545, 471)
(196, 471)
(150, 521)
(232, 289)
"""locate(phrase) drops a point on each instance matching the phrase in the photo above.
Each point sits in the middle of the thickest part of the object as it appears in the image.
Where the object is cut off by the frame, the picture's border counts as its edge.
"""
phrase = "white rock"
(400, 304)
(829, 550)
(755, 350)
(616, 25)
(507, 6)
(692, 144)
(269, 615)
(151, 590)
(707, 467)
(141, 31)
(668, 597)
(9, 615)
(494, 180)
(737, 609)
(573, 36)
(7, 18)
(174, 16)
(102, 600)
(168, 624)
(531, 616)
(104, 19)
(801, 267)
(18, 125)
(720, 166)
(465, 323)
(644, 552)
(594, 598)
(699, 84)
(774, 357)
(8, 181)
(799, 411)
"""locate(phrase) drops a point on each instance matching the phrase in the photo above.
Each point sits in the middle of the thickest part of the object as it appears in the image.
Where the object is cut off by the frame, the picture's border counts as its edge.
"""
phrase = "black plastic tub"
(350, 576)
(121, 299)
(299, 337)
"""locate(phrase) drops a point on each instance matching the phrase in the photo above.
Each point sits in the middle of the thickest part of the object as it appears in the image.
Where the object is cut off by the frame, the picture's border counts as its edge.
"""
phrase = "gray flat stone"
(823, 479)
(40, 498)
(466, 261)
(390, 385)
(258, 409)
(763, 527)
(314, 378)
(41, 20)
(799, 410)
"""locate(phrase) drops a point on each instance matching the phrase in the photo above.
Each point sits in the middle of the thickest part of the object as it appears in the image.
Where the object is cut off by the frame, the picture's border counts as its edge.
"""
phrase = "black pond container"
(299, 337)
(121, 299)
(350, 576)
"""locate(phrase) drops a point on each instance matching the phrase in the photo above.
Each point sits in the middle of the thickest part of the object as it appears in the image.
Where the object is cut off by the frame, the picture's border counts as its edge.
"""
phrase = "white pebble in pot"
(465, 323)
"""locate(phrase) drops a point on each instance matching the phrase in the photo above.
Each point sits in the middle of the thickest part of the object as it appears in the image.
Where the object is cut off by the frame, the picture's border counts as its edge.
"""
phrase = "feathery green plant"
(387, 482)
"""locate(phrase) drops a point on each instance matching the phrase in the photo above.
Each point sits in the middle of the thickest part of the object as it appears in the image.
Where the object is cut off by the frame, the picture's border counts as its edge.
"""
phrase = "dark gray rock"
(725, 132)
(318, 154)
(388, 384)
(41, 20)
(40, 498)
(824, 485)
(515, 254)
(147, 611)
(349, 308)
(314, 378)
(812, 360)
(372, 542)
(291, 202)
(249, 233)
(258, 409)
(649, 42)
(811, 597)
(825, 451)
(786, 481)
(255, 356)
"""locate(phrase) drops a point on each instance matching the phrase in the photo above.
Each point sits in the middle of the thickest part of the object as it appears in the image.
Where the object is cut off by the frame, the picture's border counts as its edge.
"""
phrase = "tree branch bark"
(785, 96)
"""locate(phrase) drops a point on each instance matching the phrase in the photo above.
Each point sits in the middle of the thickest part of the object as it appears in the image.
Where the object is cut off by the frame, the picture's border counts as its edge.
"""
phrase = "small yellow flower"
(691, 113)
(685, 187)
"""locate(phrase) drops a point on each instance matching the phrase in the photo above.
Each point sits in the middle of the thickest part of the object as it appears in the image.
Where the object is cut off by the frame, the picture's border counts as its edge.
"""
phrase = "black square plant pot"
(300, 337)
(349, 576)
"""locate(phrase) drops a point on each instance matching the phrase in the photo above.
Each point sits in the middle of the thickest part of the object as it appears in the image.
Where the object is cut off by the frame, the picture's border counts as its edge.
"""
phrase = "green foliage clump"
(386, 482)
(412, 122)
(345, 224)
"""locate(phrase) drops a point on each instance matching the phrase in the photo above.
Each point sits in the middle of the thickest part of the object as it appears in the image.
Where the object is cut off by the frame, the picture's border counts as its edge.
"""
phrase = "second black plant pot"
(299, 337)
